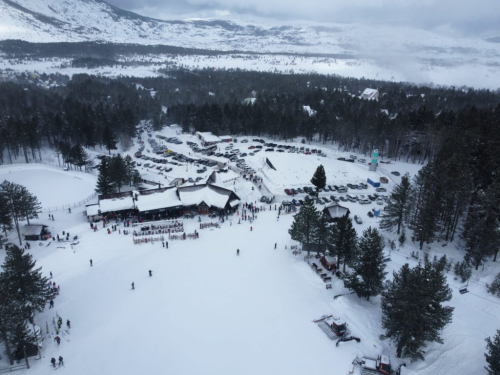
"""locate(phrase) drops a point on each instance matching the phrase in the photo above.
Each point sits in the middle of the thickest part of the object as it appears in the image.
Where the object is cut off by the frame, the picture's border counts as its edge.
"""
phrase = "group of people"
(53, 361)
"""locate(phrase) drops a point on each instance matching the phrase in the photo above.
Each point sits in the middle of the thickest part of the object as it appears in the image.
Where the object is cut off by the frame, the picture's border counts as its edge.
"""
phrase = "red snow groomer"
(337, 329)
(379, 365)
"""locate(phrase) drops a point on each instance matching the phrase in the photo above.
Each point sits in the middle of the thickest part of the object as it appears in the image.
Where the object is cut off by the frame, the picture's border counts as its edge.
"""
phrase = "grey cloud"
(460, 17)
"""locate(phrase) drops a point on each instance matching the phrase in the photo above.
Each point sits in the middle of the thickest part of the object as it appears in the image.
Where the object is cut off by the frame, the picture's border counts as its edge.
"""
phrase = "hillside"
(384, 52)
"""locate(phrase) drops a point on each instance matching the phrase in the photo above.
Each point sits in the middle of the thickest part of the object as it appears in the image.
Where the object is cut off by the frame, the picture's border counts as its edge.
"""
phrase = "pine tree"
(104, 181)
(136, 179)
(342, 240)
(412, 308)
(305, 224)
(398, 207)
(424, 202)
(321, 232)
(118, 171)
(19, 203)
(494, 287)
(25, 282)
(493, 355)
(12, 316)
(482, 236)
(108, 138)
(367, 276)
(5, 218)
(319, 178)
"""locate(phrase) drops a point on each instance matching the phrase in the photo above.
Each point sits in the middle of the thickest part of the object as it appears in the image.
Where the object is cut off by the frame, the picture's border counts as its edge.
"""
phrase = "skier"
(150, 273)
(275, 245)
(163, 243)
(59, 322)
(133, 286)
(91, 263)
(58, 339)
(238, 252)
(68, 323)
(251, 229)
(51, 274)
(166, 243)
(53, 360)
(51, 303)
(61, 363)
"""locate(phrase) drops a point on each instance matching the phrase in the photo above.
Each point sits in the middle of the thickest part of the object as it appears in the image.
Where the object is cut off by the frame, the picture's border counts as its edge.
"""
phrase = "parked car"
(263, 199)
(358, 219)
(361, 161)
(288, 192)
(370, 214)
(353, 157)
(396, 173)
(380, 189)
(380, 200)
(343, 199)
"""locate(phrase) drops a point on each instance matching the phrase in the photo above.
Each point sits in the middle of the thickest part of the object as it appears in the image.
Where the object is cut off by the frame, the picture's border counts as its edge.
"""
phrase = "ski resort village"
(234, 255)
(211, 188)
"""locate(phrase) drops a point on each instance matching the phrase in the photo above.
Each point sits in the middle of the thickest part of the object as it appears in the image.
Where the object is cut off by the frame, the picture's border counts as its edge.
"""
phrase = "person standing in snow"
(150, 273)
(61, 363)
(237, 251)
(91, 263)
(51, 304)
(58, 339)
(53, 360)
(133, 285)
(276, 244)
(166, 243)
(68, 323)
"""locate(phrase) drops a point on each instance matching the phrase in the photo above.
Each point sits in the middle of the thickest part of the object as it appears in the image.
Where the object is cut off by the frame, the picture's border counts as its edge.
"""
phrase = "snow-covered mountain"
(409, 53)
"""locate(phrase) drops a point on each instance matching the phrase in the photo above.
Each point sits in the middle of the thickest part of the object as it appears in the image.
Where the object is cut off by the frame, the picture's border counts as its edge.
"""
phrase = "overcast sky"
(460, 17)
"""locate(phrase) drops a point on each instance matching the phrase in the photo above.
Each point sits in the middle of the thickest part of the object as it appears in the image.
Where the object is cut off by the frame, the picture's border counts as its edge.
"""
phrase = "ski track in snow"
(206, 310)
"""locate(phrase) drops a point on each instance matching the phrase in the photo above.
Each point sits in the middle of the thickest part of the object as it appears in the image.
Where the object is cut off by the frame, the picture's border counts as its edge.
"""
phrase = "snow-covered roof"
(335, 210)
(370, 94)
(93, 209)
(309, 110)
(213, 196)
(30, 230)
(116, 204)
(154, 200)
(225, 137)
(208, 137)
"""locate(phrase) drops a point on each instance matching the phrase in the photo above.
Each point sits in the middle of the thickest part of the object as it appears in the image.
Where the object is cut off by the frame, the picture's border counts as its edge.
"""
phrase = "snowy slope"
(374, 51)
(206, 310)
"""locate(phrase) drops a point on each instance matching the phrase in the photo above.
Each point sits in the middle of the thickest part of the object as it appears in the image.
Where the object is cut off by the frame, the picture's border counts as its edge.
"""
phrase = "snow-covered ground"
(207, 310)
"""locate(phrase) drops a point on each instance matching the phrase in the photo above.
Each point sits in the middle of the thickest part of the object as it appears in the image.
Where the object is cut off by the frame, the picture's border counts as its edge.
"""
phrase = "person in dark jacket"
(53, 361)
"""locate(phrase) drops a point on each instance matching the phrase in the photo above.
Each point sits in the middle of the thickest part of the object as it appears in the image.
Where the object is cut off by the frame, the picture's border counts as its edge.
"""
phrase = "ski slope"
(207, 310)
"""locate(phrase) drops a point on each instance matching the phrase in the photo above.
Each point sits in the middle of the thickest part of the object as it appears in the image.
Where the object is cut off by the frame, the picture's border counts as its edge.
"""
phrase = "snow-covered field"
(207, 310)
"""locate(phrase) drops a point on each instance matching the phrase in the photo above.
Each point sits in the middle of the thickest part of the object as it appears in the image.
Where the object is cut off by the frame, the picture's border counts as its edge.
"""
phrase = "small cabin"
(330, 263)
(35, 232)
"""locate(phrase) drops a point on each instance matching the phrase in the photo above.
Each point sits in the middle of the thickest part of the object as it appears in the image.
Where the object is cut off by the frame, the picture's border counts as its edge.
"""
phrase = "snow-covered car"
(380, 201)
(358, 220)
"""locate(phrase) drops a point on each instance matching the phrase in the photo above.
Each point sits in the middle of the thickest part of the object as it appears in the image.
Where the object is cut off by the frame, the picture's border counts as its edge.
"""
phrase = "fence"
(12, 368)
(70, 205)
(209, 225)
(182, 237)
(138, 241)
